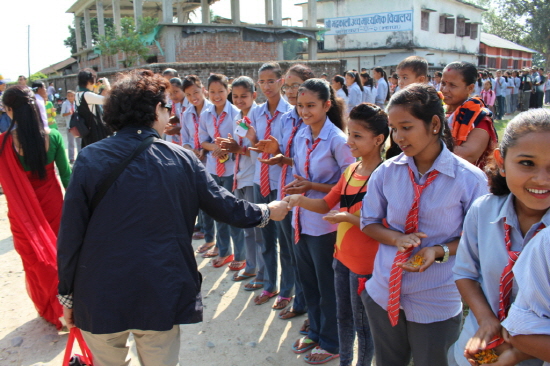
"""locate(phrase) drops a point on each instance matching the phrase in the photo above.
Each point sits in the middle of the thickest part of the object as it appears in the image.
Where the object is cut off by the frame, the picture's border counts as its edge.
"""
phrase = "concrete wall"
(204, 69)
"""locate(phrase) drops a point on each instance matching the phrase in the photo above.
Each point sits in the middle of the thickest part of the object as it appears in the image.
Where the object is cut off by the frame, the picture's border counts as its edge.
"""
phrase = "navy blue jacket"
(130, 265)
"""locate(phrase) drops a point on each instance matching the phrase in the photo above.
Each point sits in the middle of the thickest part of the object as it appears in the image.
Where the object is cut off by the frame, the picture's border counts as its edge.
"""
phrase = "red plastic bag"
(77, 360)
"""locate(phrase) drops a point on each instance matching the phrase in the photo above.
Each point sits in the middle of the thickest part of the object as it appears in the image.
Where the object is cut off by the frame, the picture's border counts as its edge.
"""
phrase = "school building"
(368, 33)
(499, 53)
(177, 40)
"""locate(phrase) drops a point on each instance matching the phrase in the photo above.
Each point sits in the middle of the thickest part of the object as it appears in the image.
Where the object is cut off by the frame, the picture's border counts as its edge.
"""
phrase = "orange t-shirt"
(353, 248)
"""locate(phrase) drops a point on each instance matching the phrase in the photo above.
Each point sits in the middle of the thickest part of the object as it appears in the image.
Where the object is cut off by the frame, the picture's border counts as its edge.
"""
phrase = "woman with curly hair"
(121, 268)
(27, 175)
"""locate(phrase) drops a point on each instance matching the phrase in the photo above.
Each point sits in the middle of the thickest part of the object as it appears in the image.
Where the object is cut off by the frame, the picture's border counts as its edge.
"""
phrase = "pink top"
(488, 97)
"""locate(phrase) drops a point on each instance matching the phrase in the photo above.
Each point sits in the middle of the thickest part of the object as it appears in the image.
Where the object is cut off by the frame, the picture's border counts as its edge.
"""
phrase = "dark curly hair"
(531, 121)
(134, 98)
(423, 102)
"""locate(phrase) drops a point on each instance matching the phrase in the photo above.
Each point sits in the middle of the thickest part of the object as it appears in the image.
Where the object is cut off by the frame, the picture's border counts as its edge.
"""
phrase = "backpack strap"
(107, 183)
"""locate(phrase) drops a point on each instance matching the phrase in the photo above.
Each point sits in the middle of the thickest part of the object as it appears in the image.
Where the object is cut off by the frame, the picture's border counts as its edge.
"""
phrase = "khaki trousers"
(153, 348)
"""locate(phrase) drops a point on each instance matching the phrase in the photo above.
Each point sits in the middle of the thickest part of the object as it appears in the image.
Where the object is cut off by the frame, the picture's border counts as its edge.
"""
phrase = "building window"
(474, 31)
(467, 29)
(491, 62)
(504, 63)
(446, 24)
(425, 20)
(482, 61)
(461, 27)
(516, 64)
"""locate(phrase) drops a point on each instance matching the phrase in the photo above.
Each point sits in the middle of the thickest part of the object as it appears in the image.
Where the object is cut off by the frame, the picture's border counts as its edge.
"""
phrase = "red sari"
(34, 211)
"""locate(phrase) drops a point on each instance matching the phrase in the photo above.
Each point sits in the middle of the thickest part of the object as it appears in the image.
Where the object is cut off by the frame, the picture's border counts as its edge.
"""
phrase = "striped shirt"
(482, 254)
(530, 313)
(430, 296)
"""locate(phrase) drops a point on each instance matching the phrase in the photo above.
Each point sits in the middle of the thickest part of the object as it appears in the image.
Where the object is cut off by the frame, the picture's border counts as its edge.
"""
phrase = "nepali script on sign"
(396, 21)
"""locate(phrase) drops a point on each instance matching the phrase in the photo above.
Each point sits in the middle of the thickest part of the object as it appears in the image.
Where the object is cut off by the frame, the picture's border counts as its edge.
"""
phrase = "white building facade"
(370, 33)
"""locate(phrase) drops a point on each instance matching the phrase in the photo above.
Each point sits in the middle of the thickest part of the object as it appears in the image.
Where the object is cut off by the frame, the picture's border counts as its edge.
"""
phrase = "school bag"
(77, 124)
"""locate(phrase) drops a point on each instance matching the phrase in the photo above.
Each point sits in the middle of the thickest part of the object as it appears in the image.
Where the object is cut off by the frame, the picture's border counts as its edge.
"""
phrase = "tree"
(131, 41)
(71, 40)
(37, 76)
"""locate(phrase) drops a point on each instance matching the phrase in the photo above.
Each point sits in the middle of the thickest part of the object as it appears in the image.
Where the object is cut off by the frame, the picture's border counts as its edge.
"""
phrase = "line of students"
(415, 206)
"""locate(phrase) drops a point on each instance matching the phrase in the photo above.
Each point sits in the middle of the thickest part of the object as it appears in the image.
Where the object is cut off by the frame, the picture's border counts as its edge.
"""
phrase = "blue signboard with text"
(395, 21)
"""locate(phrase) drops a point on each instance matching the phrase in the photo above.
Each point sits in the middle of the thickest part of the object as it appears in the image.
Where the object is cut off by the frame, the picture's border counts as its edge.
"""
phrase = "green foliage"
(291, 48)
(37, 76)
(71, 40)
(130, 41)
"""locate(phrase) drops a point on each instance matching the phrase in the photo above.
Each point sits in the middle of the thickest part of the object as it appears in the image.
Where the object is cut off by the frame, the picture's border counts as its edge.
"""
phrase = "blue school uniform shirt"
(530, 313)
(247, 164)
(355, 96)
(206, 134)
(258, 117)
(326, 164)
(500, 86)
(369, 94)
(381, 91)
(288, 121)
(430, 296)
(482, 254)
(188, 125)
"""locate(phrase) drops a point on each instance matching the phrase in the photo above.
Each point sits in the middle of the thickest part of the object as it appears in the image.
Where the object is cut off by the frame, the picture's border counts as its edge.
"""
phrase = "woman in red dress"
(34, 197)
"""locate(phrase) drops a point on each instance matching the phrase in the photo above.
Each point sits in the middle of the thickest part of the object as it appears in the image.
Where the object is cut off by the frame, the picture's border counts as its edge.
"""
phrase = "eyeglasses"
(294, 86)
(268, 82)
(168, 108)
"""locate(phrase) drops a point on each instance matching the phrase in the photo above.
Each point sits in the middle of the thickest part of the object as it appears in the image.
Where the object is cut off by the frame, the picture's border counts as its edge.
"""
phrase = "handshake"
(279, 209)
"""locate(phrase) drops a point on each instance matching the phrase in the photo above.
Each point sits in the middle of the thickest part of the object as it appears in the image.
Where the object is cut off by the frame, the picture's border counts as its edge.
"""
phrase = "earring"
(435, 131)
(502, 170)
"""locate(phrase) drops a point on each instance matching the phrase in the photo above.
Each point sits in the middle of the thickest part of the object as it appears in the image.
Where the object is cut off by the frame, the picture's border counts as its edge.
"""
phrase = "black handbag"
(77, 124)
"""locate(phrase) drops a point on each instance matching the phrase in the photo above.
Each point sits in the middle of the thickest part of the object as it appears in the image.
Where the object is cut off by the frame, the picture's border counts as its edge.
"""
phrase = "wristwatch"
(445, 257)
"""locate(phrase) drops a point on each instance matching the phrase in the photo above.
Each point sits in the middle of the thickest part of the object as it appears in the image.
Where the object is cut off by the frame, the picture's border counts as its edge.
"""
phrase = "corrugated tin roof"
(495, 41)
(58, 66)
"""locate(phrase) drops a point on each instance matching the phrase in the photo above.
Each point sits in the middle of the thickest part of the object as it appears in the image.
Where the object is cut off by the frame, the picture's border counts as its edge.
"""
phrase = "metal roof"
(495, 41)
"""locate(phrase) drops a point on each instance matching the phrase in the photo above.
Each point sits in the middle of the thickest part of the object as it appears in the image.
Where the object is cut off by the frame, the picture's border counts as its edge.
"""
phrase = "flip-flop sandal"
(289, 314)
(211, 253)
(305, 327)
(304, 341)
(224, 261)
(236, 265)
(319, 351)
(264, 297)
(242, 275)
(281, 300)
(256, 285)
(205, 247)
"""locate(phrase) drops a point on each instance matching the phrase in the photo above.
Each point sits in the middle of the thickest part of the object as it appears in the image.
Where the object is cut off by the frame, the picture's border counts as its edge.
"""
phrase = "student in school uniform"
(244, 95)
(217, 120)
(190, 138)
(382, 87)
(338, 83)
(354, 251)
(509, 90)
(179, 105)
(527, 327)
(500, 91)
(67, 109)
(282, 154)
(412, 302)
(355, 89)
(497, 228)
(369, 91)
(488, 96)
(265, 121)
(320, 157)
(516, 82)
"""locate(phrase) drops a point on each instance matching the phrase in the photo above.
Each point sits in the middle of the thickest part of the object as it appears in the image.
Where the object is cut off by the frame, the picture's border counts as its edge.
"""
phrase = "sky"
(48, 28)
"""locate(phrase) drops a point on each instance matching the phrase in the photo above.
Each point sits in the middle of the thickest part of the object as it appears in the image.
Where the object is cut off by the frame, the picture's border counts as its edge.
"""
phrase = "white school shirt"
(517, 82)
(247, 164)
(355, 96)
(430, 296)
(180, 108)
(188, 125)
(500, 86)
(477, 89)
(288, 121)
(66, 108)
(530, 313)
(482, 254)
(340, 93)
(258, 117)
(381, 91)
(327, 162)
(207, 132)
(369, 94)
